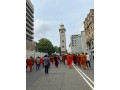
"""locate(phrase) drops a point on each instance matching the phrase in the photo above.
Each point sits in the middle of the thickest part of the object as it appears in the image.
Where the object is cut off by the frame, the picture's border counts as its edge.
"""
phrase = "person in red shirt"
(69, 60)
(79, 60)
(41, 62)
(27, 63)
(30, 64)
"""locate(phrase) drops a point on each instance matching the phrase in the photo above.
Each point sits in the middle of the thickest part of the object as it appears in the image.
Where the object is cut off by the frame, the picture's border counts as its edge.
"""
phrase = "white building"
(78, 43)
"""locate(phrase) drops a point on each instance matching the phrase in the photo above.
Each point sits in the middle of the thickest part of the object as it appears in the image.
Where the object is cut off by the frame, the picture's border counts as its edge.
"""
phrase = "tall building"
(75, 43)
(62, 31)
(89, 30)
(82, 44)
(78, 43)
(29, 25)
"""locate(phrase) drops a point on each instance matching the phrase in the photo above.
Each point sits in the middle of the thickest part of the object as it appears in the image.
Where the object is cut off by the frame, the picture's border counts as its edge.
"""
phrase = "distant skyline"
(49, 14)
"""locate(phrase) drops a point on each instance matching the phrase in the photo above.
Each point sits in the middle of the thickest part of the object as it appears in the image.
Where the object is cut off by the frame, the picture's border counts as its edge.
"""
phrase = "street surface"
(61, 78)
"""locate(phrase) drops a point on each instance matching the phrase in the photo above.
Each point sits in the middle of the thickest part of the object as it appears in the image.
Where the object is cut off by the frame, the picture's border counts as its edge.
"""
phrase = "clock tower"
(62, 31)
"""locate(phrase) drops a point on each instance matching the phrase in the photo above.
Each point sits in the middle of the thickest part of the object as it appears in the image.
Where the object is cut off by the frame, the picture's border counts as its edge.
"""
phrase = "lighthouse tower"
(62, 31)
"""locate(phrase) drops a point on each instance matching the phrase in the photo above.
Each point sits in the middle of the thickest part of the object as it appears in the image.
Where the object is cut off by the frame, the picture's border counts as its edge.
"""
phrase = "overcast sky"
(49, 14)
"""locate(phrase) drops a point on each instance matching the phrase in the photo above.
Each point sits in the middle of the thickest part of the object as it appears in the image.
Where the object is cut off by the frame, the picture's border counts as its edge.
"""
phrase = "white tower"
(62, 39)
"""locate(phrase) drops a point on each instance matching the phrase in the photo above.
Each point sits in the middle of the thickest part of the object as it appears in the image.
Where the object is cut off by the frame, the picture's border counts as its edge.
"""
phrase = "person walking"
(41, 62)
(63, 59)
(56, 61)
(88, 60)
(69, 60)
(60, 59)
(46, 63)
(79, 60)
(30, 63)
(37, 63)
(84, 60)
(74, 59)
(27, 63)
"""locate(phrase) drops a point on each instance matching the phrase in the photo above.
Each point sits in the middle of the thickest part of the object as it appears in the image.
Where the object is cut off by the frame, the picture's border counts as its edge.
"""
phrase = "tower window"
(62, 40)
(62, 46)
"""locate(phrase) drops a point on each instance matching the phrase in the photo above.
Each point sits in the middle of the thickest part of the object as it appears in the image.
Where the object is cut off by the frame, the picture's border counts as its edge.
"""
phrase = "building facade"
(62, 31)
(83, 44)
(75, 43)
(78, 43)
(89, 30)
(30, 45)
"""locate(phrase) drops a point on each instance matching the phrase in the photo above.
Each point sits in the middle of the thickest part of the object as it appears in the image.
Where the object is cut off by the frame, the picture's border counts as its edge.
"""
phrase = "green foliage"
(57, 49)
(46, 46)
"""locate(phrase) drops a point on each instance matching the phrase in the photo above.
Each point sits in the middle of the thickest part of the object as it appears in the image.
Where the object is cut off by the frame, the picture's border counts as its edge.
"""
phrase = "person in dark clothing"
(74, 59)
(46, 63)
(56, 61)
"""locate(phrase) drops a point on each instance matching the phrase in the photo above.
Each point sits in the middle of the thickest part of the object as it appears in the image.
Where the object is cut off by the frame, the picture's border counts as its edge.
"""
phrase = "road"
(61, 78)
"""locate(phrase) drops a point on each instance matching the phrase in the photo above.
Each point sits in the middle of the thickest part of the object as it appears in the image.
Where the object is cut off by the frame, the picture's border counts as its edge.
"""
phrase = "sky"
(49, 14)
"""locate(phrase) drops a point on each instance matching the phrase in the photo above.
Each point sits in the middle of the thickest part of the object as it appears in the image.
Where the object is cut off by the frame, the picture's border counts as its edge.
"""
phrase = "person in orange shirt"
(51, 59)
(41, 62)
(30, 64)
(84, 60)
(70, 61)
(67, 59)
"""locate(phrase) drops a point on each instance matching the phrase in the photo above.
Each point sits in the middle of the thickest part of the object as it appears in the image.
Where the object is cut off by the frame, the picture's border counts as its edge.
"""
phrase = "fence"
(34, 54)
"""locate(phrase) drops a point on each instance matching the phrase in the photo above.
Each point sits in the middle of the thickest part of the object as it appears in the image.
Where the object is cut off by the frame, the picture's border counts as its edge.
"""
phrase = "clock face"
(62, 31)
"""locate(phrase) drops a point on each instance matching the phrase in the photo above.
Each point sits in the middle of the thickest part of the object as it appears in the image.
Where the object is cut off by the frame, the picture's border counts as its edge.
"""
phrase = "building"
(78, 43)
(82, 44)
(30, 45)
(89, 30)
(62, 31)
(75, 43)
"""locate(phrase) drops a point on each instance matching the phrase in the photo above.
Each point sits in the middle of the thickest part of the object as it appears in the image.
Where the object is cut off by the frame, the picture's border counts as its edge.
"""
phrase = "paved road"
(61, 78)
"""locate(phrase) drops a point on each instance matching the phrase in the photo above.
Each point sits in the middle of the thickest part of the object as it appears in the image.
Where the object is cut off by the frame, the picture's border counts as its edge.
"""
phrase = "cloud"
(40, 29)
(47, 29)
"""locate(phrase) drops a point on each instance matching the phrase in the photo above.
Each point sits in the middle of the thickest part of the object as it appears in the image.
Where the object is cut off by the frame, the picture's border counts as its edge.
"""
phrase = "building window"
(62, 40)
(62, 31)
(62, 46)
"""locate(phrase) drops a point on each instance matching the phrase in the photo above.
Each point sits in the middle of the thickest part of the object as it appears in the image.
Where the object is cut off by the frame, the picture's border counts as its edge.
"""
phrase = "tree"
(46, 46)
(57, 49)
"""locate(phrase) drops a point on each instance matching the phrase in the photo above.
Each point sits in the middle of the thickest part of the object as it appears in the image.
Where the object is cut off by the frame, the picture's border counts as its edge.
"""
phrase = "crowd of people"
(44, 62)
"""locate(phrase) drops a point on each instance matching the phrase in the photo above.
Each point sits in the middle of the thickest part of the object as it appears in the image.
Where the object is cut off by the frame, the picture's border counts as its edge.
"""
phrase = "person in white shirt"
(88, 60)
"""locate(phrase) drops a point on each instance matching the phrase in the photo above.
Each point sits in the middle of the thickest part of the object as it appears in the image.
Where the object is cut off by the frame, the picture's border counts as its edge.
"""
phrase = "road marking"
(83, 77)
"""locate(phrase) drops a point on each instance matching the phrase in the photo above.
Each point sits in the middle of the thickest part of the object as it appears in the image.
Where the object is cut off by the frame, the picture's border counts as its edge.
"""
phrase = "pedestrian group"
(78, 59)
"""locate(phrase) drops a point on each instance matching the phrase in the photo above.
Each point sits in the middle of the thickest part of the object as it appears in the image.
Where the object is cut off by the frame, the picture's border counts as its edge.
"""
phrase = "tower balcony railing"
(28, 25)
(29, 35)
(30, 31)
(27, 14)
(27, 19)
(27, 9)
